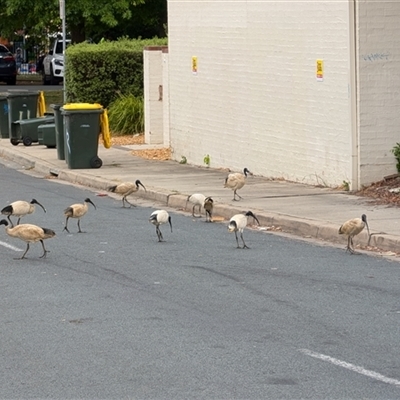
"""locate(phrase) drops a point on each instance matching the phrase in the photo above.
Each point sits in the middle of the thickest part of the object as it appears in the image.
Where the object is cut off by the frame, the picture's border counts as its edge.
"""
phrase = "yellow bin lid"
(82, 106)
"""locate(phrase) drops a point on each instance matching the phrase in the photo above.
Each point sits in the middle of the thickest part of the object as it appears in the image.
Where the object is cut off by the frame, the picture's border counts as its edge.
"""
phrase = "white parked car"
(53, 63)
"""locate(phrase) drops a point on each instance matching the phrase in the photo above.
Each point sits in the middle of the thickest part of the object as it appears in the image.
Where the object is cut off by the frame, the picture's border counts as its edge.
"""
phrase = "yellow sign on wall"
(194, 64)
(320, 70)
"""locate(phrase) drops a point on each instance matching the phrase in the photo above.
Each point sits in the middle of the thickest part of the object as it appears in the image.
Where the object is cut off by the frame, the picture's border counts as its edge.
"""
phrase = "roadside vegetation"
(87, 20)
(99, 73)
(116, 82)
(105, 63)
(126, 115)
(53, 97)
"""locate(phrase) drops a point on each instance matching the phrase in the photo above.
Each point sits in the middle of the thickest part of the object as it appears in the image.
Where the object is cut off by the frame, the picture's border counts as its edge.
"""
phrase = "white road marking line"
(351, 367)
(9, 246)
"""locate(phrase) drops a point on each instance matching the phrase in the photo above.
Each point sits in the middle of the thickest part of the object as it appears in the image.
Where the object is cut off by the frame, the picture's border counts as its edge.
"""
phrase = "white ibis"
(20, 208)
(351, 228)
(236, 181)
(158, 218)
(237, 223)
(125, 189)
(29, 234)
(77, 211)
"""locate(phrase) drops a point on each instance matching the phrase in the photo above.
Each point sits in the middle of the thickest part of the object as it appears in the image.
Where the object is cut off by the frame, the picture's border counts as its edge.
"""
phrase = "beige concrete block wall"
(254, 100)
(378, 86)
(153, 95)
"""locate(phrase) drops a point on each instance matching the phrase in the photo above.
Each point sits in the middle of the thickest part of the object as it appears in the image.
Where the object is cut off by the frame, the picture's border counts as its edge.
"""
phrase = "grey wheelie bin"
(59, 121)
(81, 135)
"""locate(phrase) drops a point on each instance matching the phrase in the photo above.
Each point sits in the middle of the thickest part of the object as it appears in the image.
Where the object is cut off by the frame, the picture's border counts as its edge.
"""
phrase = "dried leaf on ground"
(153, 154)
(125, 140)
(380, 191)
(149, 154)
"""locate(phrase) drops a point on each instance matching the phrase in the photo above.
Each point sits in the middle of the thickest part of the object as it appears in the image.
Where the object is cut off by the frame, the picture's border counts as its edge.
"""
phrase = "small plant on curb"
(207, 160)
(183, 160)
(346, 186)
(396, 153)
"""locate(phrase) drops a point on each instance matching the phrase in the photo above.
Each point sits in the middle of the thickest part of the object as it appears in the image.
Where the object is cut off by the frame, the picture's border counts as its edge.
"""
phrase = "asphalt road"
(112, 313)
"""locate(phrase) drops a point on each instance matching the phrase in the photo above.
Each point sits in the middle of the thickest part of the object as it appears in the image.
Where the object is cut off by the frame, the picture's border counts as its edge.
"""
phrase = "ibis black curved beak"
(91, 202)
(369, 235)
(34, 201)
(364, 219)
(141, 184)
(250, 214)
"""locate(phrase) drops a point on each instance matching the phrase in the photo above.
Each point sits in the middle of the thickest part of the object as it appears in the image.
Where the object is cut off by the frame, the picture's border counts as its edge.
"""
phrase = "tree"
(84, 18)
(147, 20)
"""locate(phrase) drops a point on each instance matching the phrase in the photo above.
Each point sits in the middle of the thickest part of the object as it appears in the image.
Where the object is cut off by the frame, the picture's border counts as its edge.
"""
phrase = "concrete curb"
(289, 224)
(27, 163)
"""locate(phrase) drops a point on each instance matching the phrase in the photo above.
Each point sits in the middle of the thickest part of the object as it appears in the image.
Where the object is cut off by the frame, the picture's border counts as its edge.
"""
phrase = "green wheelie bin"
(26, 130)
(81, 135)
(59, 121)
(47, 135)
(21, 105)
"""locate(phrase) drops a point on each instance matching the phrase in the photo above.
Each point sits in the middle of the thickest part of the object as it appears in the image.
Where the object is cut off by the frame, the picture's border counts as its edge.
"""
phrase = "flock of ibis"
(32, 233)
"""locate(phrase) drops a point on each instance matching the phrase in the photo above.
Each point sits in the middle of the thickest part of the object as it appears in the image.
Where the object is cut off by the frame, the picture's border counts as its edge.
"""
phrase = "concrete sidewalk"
(294, 208)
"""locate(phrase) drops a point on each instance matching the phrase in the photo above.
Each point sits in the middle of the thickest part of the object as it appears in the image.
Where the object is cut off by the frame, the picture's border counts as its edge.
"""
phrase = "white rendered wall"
(378, 87)
(255, 100)
(153, 95)
(165, 78)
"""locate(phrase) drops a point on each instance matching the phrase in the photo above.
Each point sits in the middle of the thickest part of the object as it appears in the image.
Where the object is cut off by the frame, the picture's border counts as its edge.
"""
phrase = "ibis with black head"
(237, 224)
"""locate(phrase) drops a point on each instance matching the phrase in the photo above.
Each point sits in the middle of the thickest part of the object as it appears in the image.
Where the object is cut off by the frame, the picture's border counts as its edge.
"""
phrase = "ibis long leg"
(194, 211)
(244, 244)
(236, 194)
(159, 234)
(131, 204)
(66, 225)
(23, 255)
(350, 245)
(44, 250)
(237, 240)
(124, 199)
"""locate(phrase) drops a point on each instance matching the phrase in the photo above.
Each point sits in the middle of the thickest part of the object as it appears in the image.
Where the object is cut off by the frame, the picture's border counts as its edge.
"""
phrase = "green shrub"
(126, 115)
(97, 73)
(396, 153)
